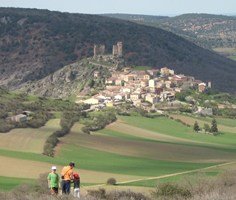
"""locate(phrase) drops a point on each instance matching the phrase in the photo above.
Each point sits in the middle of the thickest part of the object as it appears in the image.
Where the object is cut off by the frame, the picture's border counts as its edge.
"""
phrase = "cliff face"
(37, 43)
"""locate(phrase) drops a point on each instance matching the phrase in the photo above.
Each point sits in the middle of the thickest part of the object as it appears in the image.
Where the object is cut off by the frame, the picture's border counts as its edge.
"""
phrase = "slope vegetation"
(35, 43)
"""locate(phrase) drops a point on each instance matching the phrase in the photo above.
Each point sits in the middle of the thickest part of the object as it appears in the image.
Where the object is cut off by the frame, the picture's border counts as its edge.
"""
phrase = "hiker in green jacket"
(53, 181)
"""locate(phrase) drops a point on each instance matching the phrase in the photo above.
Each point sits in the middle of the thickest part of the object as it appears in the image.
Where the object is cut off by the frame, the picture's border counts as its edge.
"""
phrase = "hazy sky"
(151, 7)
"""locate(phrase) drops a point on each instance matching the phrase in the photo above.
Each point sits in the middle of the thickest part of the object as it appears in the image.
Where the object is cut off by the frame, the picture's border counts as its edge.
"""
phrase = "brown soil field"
(28, 139)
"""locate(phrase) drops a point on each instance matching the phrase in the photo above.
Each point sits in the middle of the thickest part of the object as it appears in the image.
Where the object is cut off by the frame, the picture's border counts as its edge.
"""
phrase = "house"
(126, 89)
(110, 81)
(153, 72)
(119, 97)
(109, 104)
(144, 83)
(204, 111)
(201, 87)
(169, 84)
(152, 83)
(91, 101)
(96, 74)
(130, 77)
(18, 118)
(135, 96)
(166, 71)
(151, 98)
(118, 82)
(167, 96)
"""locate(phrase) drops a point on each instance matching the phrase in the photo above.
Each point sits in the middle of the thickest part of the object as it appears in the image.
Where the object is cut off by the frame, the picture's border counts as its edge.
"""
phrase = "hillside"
(206, 30)
(71, 80)
(36, 43)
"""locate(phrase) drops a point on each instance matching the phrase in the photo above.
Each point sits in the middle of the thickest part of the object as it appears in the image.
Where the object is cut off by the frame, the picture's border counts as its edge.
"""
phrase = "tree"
(214, 128)
(207, 128)
(196, 127)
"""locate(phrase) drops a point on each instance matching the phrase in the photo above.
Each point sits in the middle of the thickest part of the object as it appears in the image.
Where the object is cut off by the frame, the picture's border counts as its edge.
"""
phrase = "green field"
(132, 148)
(7, 183)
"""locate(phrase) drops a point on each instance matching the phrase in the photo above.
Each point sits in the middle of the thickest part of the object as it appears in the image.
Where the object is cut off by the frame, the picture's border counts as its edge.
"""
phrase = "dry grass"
(28, 139)
(219, 188)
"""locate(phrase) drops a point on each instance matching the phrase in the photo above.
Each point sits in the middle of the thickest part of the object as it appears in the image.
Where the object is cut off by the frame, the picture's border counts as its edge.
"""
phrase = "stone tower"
(98, 50)
(118, 49)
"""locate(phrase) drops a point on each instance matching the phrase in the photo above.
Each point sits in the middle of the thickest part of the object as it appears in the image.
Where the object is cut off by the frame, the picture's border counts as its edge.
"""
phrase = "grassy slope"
(29, 139)
(173, 128)
(7, 183)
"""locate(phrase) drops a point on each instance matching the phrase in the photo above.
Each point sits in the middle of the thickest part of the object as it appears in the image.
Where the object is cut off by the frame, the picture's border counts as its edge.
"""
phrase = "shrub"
(171, 190)
(111, 181)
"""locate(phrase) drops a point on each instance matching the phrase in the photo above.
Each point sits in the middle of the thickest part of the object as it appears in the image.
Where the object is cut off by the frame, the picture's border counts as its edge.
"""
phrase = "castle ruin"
(98, 50)
(117, 50)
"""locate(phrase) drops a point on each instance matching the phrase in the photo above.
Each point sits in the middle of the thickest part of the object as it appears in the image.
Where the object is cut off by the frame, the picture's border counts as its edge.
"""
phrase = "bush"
(111, 181)
(171, 190)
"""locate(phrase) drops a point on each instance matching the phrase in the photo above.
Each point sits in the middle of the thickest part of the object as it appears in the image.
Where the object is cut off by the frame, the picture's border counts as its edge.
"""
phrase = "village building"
(18, 118)
(166, 96)
(169, 84)
(153, 72)
(166, 71)
(144, 83)
(152, 83)
(204, 111)
(135, 96)
(91, 101)
(110, 81)
(96, 74)
(202, 87)
(119, 82)
(151, 98)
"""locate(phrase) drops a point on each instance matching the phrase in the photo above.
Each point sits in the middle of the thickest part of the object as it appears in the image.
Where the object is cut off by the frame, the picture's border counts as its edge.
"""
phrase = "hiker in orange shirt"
(67, 176)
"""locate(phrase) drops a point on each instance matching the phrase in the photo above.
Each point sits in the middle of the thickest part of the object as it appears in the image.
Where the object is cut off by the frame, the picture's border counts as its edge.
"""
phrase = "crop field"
(132, 148)
(28, 139)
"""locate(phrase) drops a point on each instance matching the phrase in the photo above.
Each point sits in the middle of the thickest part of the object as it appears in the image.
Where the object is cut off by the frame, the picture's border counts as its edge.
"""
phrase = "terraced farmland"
(132, 148)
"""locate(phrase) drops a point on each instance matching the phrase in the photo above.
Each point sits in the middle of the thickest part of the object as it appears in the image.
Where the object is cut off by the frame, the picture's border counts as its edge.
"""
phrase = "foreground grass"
(9, 183)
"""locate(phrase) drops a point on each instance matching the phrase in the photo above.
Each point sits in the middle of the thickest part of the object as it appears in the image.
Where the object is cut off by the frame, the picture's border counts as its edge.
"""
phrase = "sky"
(148, 7)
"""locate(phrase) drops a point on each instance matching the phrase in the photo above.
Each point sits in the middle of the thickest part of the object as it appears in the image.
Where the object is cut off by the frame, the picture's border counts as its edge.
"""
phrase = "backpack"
(76, 176)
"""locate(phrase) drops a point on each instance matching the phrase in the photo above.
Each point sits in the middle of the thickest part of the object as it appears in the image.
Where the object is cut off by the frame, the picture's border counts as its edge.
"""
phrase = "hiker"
(76, 185)
(67, 176)
(53, 181)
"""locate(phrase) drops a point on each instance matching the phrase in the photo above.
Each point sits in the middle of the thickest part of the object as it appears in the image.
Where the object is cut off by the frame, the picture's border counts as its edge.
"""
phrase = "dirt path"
(176, 174)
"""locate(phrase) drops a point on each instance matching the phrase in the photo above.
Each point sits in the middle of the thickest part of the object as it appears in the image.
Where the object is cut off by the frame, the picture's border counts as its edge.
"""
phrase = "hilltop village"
(143, 88)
